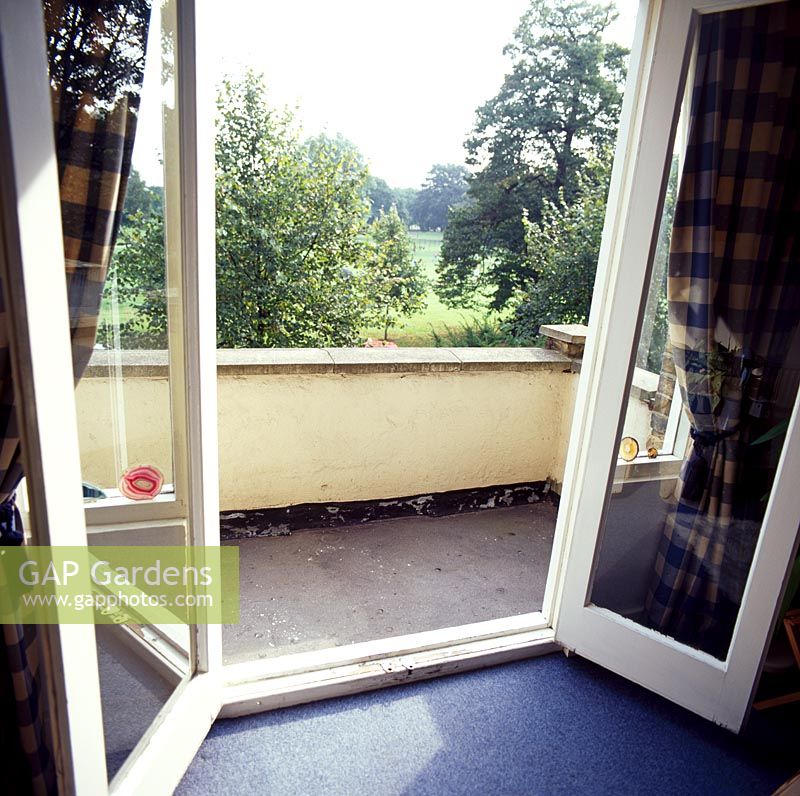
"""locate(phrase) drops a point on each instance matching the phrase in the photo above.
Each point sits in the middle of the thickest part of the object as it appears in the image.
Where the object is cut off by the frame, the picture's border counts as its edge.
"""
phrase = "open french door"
(585, 620)
(32, 271)
(614, 505)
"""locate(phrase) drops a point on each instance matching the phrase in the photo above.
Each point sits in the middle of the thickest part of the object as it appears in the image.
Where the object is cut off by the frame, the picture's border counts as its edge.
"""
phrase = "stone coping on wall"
(644, 384)
(568, 339)
(288, 361)
(566, 332)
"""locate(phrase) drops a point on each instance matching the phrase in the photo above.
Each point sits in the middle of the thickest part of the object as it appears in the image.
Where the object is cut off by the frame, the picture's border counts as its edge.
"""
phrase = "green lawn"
(417, 328)
(126, 312)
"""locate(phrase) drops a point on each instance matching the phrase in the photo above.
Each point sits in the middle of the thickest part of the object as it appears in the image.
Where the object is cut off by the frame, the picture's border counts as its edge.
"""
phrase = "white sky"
(400, 80)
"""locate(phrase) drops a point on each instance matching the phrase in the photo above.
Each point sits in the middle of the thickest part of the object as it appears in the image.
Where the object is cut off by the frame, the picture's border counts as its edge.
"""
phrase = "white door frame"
(162, 756)
(32, 269)
(719, 690)
(291, 679)
(32, 272)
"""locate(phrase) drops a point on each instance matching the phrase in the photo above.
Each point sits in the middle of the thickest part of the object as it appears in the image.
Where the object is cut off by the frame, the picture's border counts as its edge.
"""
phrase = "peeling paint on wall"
(282, 521)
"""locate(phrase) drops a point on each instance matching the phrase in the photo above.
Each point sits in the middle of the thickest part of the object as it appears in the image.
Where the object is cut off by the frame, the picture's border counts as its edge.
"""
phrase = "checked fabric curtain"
(96, 52)
(734, 305)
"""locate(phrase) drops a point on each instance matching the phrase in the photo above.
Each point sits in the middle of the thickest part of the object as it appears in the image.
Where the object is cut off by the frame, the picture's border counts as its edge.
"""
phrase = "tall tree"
(292, 250)
(397, 282)
(444, 188)
(141, 197)
(290, 220)
(381, 198)
(297, 262)
(562, 251)
(404, 199)
(559, 102)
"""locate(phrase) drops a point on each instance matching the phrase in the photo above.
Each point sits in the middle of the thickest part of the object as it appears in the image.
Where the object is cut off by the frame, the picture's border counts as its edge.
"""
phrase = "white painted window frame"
(32, 271)
(718, 690)
(161, 757)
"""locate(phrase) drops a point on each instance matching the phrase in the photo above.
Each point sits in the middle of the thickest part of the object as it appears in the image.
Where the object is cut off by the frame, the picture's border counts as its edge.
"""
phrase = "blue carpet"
(543, 726)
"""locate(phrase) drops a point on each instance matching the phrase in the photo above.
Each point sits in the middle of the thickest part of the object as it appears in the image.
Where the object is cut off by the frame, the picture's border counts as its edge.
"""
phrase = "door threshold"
(390, 647)
(259, 694)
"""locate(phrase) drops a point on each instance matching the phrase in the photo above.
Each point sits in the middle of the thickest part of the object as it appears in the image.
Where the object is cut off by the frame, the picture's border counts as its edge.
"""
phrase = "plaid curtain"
(96, 55)
(734, 304)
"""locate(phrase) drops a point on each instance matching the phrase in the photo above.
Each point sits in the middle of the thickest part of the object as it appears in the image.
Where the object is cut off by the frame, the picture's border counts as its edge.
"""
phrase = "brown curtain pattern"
(734, 274)
(96, 58)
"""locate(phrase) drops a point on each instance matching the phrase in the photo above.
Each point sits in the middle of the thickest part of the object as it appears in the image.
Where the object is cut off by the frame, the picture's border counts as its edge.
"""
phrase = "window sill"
(664, 466)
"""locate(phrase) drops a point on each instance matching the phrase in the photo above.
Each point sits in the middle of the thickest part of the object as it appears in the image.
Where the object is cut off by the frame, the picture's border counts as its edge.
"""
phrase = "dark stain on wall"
(283, 520)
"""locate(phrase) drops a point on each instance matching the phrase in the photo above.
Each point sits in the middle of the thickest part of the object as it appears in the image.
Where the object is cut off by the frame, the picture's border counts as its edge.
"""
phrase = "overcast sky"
(400, 80)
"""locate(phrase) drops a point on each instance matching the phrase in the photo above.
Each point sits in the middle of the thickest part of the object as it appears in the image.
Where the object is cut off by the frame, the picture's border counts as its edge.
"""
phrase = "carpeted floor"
(544, 726)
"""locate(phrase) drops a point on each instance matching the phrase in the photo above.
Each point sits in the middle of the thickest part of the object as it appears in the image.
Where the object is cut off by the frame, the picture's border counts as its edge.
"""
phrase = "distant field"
(417, 329)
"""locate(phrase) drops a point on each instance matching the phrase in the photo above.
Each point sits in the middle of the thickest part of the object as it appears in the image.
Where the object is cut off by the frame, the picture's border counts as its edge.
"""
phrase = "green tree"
(563, 247)
(404, 199)
(291, 235)
(137, 277)
(397, 283)
(444, 188)
(137, 274)
(141, 197)
(381, 198)
(290, 222)
(558, 104)
(297, 262)
(655, 324)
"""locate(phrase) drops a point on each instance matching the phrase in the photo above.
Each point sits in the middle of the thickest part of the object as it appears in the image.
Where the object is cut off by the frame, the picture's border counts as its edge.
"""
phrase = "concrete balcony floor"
(328, 588)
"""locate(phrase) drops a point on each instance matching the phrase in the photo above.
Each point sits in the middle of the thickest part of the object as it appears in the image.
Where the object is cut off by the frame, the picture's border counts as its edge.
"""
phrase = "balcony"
(372, 492)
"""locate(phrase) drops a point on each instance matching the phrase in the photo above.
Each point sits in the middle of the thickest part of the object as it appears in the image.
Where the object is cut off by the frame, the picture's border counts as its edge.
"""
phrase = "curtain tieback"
(695, 473)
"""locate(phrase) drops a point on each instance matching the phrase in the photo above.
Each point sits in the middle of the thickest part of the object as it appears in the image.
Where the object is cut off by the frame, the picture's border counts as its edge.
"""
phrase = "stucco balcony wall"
(322, 425)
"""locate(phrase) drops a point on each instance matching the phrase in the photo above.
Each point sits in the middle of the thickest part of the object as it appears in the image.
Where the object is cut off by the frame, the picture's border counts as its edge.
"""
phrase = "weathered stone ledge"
(287, 361)
(644, 385)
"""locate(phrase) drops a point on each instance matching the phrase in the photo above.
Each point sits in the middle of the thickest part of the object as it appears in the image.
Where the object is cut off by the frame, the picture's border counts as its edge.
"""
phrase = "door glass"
(720, 321)
(123, 397)
(113, 88)
(651, 414)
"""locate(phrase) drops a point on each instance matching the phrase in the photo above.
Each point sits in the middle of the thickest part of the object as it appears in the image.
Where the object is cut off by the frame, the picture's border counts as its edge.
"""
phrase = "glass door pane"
(682, 525)
(684, 514)
(91, 49)
(124, 402)
(386, 475)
